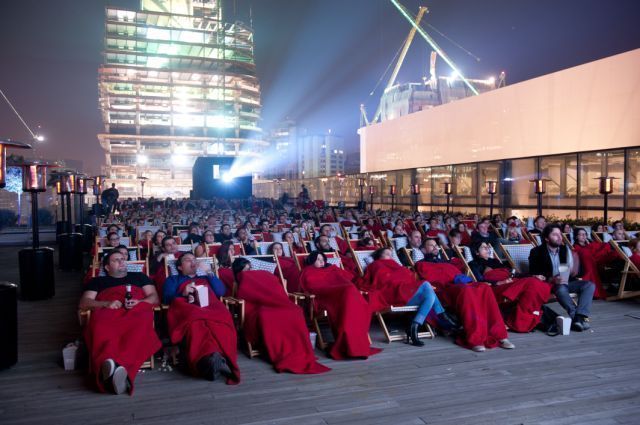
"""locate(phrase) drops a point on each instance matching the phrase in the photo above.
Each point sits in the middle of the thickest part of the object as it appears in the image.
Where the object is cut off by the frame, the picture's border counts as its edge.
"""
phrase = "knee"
(426, 287)
(589, 286)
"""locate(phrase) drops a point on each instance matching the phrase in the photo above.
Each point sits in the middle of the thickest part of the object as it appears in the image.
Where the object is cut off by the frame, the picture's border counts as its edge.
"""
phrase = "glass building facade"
(572, 187)
(177, 83)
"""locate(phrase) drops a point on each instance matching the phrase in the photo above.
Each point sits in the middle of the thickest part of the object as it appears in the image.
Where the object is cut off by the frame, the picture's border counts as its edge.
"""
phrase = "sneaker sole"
(120, 380)
(108, 368)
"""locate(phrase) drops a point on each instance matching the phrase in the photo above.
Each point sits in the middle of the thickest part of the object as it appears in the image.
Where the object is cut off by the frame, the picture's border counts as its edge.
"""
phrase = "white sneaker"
(108, 367)
(478, 348)
(506, 344)
(120, 380)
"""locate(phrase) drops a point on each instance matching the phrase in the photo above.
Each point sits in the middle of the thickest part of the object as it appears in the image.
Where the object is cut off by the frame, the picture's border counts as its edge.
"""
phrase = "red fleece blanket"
(474, 304)
(276, 322)
(349, 313)
(388, 283)
(593, 258)
(205, 330)
(126, 336)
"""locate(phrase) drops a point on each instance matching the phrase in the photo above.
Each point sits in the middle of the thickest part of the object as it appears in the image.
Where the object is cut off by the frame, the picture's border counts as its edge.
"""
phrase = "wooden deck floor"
(588, 378)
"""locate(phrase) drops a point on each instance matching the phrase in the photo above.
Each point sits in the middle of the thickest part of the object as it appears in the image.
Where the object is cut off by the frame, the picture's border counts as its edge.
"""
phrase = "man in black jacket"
(547, 260)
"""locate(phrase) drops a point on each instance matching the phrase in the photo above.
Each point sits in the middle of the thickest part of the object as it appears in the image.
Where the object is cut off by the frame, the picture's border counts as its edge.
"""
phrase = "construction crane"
(434, 45)
(396, 70)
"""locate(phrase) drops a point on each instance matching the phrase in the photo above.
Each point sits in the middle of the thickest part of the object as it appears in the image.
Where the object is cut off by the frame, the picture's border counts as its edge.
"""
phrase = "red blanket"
(205, 330)
(278, 324)
(593, 258)
(528, 294)
(349, 313)
(126, 336)
(291, 273)
(388, 283)
(474, 304)
(226, 276)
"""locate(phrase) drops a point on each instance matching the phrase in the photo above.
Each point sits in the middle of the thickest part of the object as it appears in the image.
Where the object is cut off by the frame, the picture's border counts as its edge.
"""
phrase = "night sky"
(317, 60)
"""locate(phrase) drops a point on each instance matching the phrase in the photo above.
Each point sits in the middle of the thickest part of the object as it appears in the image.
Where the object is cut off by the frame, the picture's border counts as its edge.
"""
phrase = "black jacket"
(540, 262)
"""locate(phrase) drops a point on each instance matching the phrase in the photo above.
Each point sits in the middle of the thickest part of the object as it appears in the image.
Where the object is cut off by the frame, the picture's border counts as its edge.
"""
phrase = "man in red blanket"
(274, 322)
(348, 311)
(323, 245)
(207, 333)
(119, 335)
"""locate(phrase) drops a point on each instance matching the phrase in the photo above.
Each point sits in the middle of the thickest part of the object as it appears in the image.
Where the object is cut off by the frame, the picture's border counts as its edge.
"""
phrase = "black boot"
(412, 334)
(447, 323)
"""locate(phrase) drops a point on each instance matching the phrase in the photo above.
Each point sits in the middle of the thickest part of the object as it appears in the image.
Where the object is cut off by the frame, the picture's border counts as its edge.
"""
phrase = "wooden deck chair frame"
(239, 303)
(389, 337)
(628, 269)
(85, 315)
(264, 246)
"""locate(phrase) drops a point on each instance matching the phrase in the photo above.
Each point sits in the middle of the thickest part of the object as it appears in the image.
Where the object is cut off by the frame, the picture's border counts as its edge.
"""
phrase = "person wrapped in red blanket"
(225, 257)
(120, 335)
(474, 304)
(327, 231)
(157, 263)
(207, 333)
(527, 293)
(274, 322)
(390, 284)
(288, 266)
(349, 314)
(593, 257)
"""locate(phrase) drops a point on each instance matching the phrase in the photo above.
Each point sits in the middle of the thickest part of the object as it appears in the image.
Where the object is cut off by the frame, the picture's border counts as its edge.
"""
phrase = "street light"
(606, 188)
(4, 145)
(539, 188)
(392, 192)
(447, 191)
(361, 184)
(143, 180)
(492, 188)
(36, 264)
(415, 191)
(372, 191)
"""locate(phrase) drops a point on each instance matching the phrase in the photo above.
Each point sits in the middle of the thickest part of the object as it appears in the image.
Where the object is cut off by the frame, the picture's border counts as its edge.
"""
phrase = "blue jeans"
(584, 289)
(425, 298)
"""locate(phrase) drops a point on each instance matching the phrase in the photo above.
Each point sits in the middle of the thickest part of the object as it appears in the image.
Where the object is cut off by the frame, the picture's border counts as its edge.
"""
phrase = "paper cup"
(564, 325)
(69, 356)
(564, 273)
(312, 337)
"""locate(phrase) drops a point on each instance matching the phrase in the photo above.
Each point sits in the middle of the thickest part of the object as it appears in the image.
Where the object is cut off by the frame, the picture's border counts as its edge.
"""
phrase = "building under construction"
(177, 83)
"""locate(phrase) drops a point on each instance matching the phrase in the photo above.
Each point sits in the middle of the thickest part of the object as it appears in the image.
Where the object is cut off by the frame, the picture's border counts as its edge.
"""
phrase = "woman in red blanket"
(388, 283)
(349, 313)
(275, 322)
(288, 266)
(528, 293)
(594, 256)
(297, 248)
(207, 333)
(119, 335)
(474, 304)
(225, 258)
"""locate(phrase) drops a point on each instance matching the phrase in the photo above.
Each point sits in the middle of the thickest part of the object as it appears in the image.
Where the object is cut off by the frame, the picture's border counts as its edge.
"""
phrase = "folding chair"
(628, 269)
(518, 256)
(363, 259)
(263, 247)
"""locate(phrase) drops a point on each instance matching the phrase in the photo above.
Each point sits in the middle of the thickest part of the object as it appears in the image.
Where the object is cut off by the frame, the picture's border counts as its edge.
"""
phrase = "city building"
(177, 83)
(283, 140)
(569, 128)
(320, 155)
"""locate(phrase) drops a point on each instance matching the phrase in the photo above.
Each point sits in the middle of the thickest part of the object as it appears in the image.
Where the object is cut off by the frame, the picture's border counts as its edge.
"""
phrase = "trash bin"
(70, 251)
(8, 324)
(37, 279)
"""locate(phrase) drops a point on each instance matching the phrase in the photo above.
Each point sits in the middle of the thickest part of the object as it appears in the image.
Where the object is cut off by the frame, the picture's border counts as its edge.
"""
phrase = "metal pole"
(69, 218)
(64, 217)
(448, 201)
(82, 210)
(606, 208)
(34, 220)
(539, 204)
(491, 205)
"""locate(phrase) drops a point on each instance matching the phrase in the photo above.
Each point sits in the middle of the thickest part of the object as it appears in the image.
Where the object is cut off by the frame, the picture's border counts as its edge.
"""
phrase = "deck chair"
(363, 259)
(170, 268)
(141, 229)
(185, 248)
(132, 267)
(134, 253)
(628, 269)
(337, 228)
(263, 247)
(268, 263)
(518, 256)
